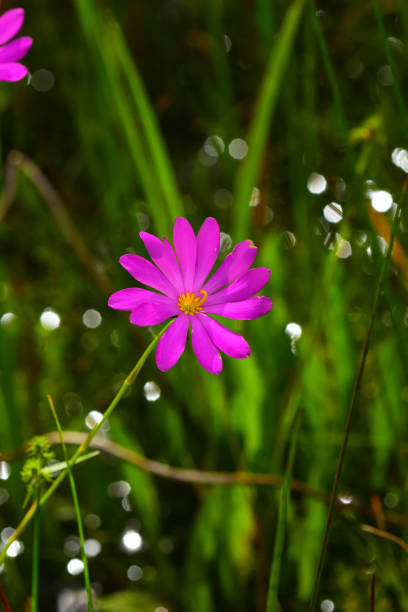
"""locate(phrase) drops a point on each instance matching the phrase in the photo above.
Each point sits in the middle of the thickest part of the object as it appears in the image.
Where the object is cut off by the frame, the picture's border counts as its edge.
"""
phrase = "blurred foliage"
(111, 140)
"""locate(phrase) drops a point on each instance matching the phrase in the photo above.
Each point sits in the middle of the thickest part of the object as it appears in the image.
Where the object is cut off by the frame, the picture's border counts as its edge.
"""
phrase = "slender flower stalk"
(83, 447)
(184, 292)
(76, 506)
(354, 396)
(36, 558)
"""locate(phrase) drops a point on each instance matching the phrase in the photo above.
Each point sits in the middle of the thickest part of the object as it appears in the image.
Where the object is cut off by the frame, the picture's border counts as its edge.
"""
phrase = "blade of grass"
(222, 92)
(354, 395)
(61, 465)
(129, 380)
(265, 23)
(36, 557)
(282, 520)
(149, 123)
(399, 98)
(265, 107)
(99, 38)
(76, 505)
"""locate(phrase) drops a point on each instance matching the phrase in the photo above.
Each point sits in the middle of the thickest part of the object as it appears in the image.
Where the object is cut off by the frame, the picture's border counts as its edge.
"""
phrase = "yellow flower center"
(190, 303)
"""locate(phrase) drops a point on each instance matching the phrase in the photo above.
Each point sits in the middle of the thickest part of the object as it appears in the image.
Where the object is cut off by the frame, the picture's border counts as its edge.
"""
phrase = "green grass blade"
(61, 465)
(399, 98)
(36, 558)
(99, 37)
(149, 123)
(259, 129)
(282, 519)
(76, 505)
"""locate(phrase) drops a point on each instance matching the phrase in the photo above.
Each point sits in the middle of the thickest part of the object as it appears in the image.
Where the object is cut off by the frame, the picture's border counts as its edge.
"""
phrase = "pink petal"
(233, 266)
(129, 299)
(146, 273)
(208, 247)
(227, 341)
(186, 249)
(153, 313)
(250, 283)
(244, 311)
(172, 344)
(10, 23)
(163, 256)
(12, 72)
(15, 50)
(204, 348)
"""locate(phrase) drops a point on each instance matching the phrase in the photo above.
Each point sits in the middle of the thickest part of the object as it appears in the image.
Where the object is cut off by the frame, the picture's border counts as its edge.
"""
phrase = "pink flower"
(183, 292)
(11, 52)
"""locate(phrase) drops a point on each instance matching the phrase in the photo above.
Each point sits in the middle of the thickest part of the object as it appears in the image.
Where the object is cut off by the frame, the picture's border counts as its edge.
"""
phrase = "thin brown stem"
(381, 533)
(19, 162)
(164, 470)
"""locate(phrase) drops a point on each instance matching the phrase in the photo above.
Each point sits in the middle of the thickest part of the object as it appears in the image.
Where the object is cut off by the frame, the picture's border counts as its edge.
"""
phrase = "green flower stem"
(36, 557)
(354, 396)
(76, 505)
(85, 444)
(272, 602)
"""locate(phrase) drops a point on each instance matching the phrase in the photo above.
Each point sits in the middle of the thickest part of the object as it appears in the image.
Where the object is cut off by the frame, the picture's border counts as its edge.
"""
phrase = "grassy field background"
(130, 119)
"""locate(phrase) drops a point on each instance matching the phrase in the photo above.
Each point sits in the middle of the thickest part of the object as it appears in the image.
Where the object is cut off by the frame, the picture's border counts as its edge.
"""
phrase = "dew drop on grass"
(345, 498)
(4, 495)
(213, 146)
(91, 318)
(255, 197)
(294, 331)
(92, 418)
(5, 470)
(134, 573)
(75, 567)
(92, 521)
(333, 212)
(6, 534)
(238, 148)
(50, 320)
(15, 549)
(92, 547)
(7, 318)
(225, 242)
(42, 80)
(131, 541)
(72, 546)
(316, 183)
(399, 158)
(343, 248)
(119, 488)
(227, 43)
(381, 201)
(152, 391)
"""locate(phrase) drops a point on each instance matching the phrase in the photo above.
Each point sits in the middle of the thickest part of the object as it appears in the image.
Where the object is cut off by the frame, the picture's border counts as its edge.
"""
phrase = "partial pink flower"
(13, 50)
(184, 291)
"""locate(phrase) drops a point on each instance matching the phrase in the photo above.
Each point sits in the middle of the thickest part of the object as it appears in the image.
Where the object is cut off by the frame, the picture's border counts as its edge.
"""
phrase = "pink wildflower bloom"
(13, 50)
(184, 291)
